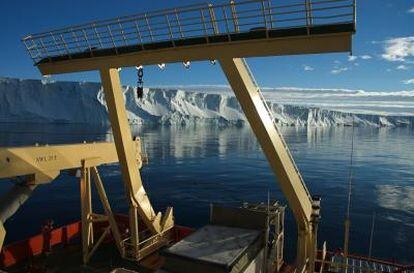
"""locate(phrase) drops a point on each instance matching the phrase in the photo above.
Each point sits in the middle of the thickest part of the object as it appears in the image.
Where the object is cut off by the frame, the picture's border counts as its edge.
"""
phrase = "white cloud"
(339, 70)
(410, 81)
(352, 58)
(411, 10)
(399, 49)
(402, 67)
(308, 68)
(366, 57)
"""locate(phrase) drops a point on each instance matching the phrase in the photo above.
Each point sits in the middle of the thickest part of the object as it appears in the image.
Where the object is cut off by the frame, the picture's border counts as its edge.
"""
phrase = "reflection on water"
(396, 197)
(191, 167)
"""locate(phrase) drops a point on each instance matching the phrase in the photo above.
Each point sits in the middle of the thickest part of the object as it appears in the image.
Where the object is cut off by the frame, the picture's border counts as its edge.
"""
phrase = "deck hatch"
(214, 249)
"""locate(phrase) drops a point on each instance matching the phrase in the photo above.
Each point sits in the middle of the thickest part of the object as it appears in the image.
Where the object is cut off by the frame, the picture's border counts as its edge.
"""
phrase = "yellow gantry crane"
(37, 165)
(228, 33)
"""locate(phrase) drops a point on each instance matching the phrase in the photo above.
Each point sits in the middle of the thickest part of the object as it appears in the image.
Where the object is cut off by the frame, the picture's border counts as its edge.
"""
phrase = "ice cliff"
(71, 102)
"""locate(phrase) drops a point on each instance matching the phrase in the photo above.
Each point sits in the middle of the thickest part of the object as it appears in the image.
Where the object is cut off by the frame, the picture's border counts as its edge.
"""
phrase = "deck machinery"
(227, 33)
(38, 165)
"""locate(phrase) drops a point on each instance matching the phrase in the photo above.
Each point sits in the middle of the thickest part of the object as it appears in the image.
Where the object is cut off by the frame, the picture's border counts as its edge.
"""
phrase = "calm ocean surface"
(190, 168)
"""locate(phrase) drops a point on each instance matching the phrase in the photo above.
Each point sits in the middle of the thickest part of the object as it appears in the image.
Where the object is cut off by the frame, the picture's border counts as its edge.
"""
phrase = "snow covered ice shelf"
(73, 102)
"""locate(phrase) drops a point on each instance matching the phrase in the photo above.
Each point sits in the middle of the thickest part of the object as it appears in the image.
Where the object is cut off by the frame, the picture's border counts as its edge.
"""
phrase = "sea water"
(191, 167)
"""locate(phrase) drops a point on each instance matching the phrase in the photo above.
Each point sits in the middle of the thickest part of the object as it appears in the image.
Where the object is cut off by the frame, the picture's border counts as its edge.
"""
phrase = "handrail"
(340, 266)
(364, 264)
(404, 268)
(199, 20)
(187, 8)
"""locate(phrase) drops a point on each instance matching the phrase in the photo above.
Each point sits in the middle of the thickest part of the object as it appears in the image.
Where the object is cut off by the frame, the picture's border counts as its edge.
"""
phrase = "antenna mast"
(371, 237)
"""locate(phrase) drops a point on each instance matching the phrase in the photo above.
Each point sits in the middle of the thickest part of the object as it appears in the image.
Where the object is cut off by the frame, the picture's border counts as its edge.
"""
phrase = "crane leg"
(139, 202)
(86, 212)
(276, 151)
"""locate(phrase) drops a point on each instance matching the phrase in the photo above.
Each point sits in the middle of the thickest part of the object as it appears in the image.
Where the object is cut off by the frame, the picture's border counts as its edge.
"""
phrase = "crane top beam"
(250, 28)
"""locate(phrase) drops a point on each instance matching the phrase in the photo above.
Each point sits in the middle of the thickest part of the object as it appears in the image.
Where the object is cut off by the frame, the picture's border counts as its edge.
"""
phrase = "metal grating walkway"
(364, 265)
(193, 25)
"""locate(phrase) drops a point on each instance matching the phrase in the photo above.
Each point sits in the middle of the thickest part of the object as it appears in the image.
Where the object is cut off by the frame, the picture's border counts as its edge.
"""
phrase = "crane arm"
(42, 164)
(260, 118)
(46, 162)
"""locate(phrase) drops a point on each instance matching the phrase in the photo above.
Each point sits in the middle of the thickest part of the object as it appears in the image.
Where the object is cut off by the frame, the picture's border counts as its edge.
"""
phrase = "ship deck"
(65, 256)
(60, 251)
(68, 259)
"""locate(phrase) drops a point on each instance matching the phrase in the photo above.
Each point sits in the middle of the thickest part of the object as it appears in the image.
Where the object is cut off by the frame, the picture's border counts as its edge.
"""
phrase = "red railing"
(404, 269)
(39, 244)
(21, 251)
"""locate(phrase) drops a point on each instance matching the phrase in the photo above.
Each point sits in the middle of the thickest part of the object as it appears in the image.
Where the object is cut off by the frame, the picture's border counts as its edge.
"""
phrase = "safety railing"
(146, 246)
(202, 20)
(358, 266)
(408, 269)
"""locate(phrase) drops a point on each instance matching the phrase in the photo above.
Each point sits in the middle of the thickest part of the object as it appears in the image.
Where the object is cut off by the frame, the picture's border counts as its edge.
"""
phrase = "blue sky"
(383, 47)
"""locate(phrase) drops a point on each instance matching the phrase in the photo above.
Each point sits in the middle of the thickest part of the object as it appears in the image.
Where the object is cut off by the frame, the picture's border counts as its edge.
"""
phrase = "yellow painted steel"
(42, 164)
(139, 202)
(88, 217)
(46, 162)
(313, 44)
(107, 208)
(123, 140)
(86, 211)
(2, 234)
(273, 147)
(253, 106)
